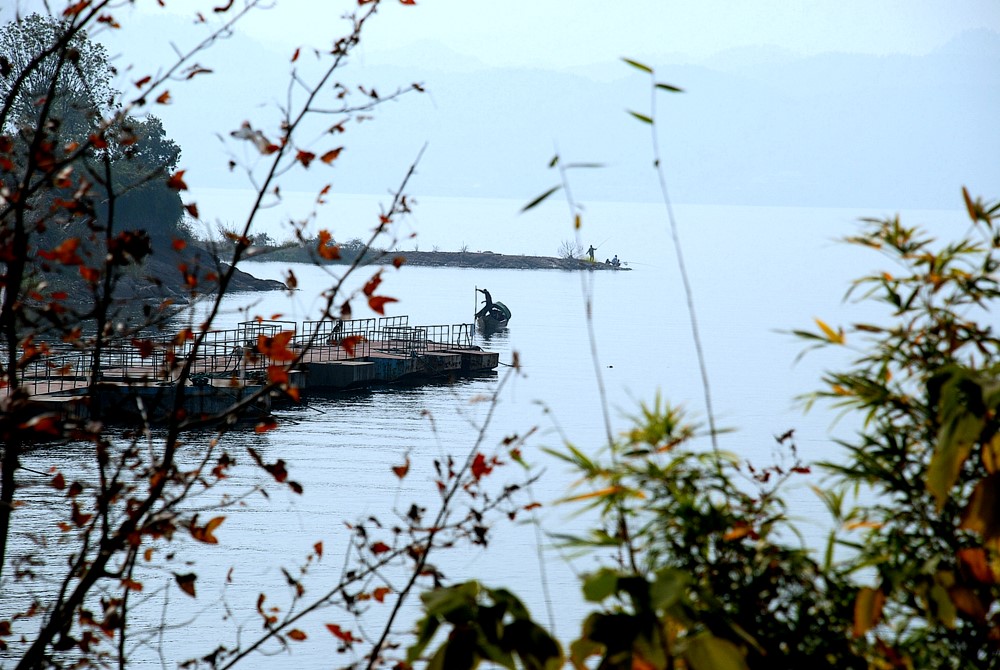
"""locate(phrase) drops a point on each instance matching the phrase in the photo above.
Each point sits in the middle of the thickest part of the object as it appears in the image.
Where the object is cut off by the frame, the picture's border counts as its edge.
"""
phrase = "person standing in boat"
(489, 303)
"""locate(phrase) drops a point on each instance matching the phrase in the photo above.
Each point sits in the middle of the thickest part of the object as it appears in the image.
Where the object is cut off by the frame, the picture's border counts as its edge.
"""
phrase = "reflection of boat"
(493, 316)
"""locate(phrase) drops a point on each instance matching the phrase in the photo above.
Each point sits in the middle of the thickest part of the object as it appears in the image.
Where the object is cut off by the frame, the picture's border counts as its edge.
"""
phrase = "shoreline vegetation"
(451, 259)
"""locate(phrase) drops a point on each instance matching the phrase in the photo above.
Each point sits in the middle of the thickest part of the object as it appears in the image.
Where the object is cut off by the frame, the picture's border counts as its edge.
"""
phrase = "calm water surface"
(757, 273)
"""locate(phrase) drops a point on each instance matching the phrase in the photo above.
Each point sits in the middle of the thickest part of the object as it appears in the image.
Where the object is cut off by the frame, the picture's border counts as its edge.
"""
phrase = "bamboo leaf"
(668, 87)
(637, 65)
(867, 609)
(831, 334)
(641, 117)
(537, 201)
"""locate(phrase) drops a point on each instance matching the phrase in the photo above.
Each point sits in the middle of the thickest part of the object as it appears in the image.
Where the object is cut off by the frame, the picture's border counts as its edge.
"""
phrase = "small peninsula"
(452, 259)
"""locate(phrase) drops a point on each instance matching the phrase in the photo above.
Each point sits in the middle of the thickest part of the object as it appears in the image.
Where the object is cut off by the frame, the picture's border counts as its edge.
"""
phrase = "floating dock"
(139, 378)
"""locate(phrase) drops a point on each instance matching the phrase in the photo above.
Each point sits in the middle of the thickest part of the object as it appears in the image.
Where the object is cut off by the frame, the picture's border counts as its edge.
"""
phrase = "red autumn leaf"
(196, 70)
(277, 469)
(79, 518)
(192, 209)
(142, 82)
(296, 634)
(305, 157)
(531, 506)
(58, 482)
(318, 548)
(277, 374)
(331, 155)
(407, 2)
(377, 303)
(398, 261)
(380, 593)
(276, 347)
(43, 423)
(178, 244)
(325, 249)
(145, 347)
(75, 9)
(131, 585)
(372, 284)
(401, 470)
(90, 275)
(205, 533)
(480, 467)
(349, 343)
(176, 181)
(380, 548)
(295, 56)
(163, 98)
(65, 253)
(342, 634)
(265, 426)
(186, 582)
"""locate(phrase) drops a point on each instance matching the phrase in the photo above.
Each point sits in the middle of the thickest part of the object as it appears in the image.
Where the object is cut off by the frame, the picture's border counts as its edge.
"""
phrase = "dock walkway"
(139, 377)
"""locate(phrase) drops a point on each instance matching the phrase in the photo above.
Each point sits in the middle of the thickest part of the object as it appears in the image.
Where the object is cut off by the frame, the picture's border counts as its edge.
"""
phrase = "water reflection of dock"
(139, 378)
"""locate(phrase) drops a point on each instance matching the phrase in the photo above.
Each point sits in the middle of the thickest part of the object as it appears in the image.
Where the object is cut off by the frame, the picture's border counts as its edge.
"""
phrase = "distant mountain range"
(753, 127)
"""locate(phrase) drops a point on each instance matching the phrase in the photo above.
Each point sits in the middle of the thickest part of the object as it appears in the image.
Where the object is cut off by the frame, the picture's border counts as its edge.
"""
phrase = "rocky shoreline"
(450, 259)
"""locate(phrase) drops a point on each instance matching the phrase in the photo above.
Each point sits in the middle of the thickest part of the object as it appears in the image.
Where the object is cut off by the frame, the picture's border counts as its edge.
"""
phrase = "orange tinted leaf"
(205, 533)
(331, 155)
(65, 253)
(276, 347)
(480, 467)
(186, 582)
(76, 8)
(305, 157)
(277, 374)
(976, 564)
(142, 82)
(163, 98)
(380, 548)
(398, 261)
(349, 343)
(265, 426)
(79, 518)
(378, 303)
(192, 209)
(145, 347)
(401, 470)
(318, 548)
(345, 635)
(326, 248)
(132, 585)
(380, 593)
(740, 530)
(296, 634)
(176, 181)
(372, 284)
(58, 482)
(867, 609)
(178, 244)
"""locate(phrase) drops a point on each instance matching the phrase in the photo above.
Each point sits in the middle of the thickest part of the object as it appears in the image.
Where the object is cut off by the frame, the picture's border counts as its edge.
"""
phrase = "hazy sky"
(572, 32)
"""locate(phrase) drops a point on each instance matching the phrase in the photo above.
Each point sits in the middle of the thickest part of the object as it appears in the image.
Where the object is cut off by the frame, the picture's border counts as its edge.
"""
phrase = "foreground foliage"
(700, 571)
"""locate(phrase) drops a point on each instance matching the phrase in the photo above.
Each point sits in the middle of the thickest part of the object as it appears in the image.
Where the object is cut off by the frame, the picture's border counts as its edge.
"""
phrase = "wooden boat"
(493, 316)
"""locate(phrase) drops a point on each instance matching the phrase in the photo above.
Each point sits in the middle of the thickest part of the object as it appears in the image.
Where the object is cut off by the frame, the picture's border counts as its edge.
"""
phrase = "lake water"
(756, 274)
